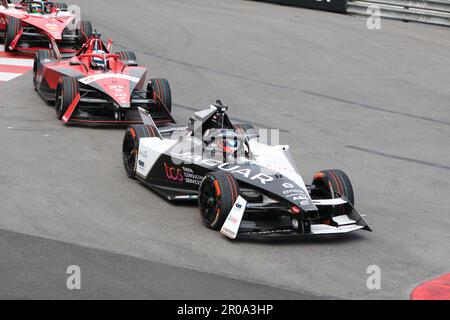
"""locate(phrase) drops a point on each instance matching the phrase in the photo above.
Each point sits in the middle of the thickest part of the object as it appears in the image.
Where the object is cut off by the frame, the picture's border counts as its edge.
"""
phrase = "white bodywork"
(275, 158)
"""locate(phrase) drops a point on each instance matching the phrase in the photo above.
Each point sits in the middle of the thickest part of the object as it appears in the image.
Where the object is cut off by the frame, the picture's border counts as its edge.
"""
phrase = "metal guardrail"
(427, 11)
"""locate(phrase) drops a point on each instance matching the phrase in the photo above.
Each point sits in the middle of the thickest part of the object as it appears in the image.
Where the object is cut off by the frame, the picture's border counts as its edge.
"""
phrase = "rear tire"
(13, 27)
(159, 90)
(38, 57)
(62, 6)
(246, 129)
(130, 146)
(329, 182)
(243, 127)
(127, 55)
(67, 90)
(217, 195)
(85, 30)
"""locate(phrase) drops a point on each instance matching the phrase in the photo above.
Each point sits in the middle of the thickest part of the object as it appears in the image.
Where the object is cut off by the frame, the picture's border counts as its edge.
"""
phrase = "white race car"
(244, 188)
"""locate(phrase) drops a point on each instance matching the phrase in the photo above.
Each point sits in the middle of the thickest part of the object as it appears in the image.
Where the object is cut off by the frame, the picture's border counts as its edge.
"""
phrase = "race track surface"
(372, 103)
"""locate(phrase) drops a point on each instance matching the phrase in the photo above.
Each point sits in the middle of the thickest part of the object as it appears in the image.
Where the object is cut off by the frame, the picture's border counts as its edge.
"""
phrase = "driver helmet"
(36, 8)
(98, 63)
(226, 142)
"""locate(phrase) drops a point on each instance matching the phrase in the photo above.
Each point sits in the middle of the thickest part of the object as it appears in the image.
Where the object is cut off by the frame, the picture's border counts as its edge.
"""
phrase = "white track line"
(16, 62)
(6, 76)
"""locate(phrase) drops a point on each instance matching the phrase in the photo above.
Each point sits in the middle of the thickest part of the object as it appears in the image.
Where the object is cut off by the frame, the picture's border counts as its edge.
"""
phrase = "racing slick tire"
(159, 90)
(61, 5)
(130, 146)
(38, 57)
(246, 129)
(67, 90)
(334, 181)
(217, 195)
(13, 27)
(127, 56)
(242, 127)
(85, 30)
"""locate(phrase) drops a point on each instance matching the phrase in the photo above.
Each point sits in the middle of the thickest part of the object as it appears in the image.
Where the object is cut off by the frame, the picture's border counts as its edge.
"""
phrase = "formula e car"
(97, 86)
(32, 25)
(244, 187)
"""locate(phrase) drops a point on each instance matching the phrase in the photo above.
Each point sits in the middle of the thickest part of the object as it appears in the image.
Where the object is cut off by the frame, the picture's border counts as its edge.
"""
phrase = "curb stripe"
(436, 289)
(7, 76)
(13, 65)
(14, 69)
(16, 62)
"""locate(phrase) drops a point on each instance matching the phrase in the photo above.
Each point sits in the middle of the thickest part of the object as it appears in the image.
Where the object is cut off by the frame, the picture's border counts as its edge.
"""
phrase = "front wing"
(286, 227)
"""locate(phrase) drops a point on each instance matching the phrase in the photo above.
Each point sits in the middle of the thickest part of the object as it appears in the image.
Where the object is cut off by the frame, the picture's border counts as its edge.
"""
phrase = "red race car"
(33, 25)
(100, 87)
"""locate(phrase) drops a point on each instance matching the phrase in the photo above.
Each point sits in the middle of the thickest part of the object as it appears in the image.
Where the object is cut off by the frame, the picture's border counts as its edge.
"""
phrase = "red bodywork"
(46, 26)
(118, 89)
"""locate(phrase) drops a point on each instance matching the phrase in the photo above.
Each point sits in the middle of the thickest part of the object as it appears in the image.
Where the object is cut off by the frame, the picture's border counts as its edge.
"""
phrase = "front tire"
(130, 146)
(13, 28)
(159, 90)
(332, 182)
(85, 30)
(38, 57)
(67, 90)
(217, 195)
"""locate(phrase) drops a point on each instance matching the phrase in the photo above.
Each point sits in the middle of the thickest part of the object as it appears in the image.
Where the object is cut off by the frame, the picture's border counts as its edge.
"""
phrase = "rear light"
(295, 210)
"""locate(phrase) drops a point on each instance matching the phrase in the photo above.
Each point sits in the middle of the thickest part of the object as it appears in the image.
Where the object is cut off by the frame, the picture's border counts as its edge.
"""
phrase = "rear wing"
(148, 121)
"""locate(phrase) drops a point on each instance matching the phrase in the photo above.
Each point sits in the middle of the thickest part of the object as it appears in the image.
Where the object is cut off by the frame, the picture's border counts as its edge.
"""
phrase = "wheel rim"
(35, 72)
(209, 201)
(59, 102)
(129, 151)
(5, 42)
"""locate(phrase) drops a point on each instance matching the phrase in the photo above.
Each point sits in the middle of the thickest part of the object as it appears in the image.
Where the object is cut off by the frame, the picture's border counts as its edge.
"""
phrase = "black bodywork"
(273, 200)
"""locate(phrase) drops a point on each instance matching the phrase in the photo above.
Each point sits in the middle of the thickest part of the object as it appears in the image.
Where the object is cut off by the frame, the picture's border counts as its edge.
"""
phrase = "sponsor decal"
(142, 157)
(190, 176)
(295, 194)
(228, 167)
(174, 173)
(231, 226)
(183, 174)
(119, 93)
(143, 154)
(98, 77)
(51, 26)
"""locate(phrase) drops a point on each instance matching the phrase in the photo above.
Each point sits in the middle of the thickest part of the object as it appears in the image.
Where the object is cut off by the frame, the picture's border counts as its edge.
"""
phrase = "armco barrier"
(425, 11)
(339, 6)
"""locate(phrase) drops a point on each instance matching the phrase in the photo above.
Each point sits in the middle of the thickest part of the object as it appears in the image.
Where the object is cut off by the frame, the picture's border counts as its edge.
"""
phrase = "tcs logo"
(173, 173)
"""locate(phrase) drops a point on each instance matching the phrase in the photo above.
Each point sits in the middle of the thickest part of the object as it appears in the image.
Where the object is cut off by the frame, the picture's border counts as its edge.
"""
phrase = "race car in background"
(244, 188)
(97, 86)
(33, 25)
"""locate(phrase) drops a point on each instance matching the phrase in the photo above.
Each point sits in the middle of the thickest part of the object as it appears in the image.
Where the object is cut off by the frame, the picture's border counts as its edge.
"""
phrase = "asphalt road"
(373, 103)
(37, 268)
